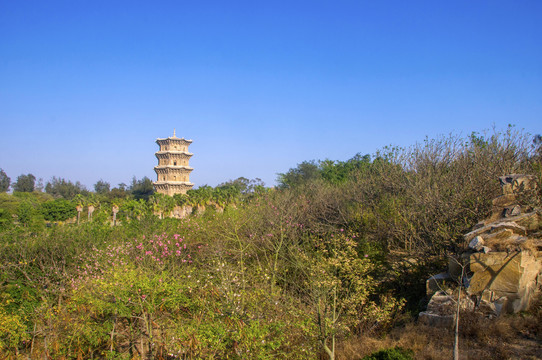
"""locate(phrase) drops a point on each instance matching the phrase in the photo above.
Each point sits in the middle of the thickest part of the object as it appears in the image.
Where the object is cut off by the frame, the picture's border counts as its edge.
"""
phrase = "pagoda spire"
(174, 132)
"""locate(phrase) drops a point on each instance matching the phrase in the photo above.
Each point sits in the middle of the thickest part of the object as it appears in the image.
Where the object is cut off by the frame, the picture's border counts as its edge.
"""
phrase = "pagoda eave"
(174, 183)
(173, 152)
(173, 167)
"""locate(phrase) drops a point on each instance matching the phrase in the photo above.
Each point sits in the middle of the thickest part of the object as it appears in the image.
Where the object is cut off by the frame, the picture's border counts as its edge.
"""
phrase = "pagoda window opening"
(175, 162)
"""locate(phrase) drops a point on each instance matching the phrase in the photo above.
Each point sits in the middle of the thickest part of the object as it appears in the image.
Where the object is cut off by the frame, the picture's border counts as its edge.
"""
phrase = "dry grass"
(507, 337)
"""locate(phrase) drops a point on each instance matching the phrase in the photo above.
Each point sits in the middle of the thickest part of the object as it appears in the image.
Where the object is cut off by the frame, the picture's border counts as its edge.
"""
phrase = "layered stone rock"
(503, 262)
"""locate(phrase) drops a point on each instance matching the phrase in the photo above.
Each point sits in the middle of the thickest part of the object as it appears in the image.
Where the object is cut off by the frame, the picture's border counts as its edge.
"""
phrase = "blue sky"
(259, 86)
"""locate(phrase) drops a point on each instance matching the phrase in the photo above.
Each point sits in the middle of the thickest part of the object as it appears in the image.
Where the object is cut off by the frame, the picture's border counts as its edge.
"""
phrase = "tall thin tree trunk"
(456, 330)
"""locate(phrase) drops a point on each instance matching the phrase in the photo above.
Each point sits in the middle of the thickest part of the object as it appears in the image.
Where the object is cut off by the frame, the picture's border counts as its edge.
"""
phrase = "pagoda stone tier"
(173, 171)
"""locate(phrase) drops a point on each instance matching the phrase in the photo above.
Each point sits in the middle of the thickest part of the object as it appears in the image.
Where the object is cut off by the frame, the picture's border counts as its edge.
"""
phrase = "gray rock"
(477, 243)
(435, 320)
(436, 283)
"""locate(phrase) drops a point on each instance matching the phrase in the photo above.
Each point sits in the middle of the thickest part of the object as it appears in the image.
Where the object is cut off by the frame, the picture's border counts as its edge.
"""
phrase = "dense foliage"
(5, 181)
(339, 249)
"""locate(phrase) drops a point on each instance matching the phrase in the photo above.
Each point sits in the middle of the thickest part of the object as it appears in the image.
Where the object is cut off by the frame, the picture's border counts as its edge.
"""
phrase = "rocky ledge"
(501, 270)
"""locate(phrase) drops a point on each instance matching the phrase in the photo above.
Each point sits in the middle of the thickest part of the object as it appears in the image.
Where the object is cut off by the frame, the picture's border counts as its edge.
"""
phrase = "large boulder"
(515, 183)
(513, 276)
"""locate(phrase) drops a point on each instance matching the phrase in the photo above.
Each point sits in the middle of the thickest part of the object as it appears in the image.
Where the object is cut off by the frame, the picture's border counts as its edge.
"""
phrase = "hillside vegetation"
(332, 263)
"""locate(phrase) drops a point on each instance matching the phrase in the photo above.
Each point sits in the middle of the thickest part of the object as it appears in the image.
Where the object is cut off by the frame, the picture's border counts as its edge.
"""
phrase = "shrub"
(396, 353)
(58, 210)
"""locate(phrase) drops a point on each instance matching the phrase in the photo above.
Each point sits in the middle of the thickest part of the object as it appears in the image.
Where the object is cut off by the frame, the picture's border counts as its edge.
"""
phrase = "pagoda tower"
(173, 171)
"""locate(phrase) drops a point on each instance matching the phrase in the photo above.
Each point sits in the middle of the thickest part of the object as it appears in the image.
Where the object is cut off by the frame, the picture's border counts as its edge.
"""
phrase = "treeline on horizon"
(338, 250)
(58, 200)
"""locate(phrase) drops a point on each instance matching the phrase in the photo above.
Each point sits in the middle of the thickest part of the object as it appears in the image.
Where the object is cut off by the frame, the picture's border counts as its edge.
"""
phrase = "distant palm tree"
(92, 204)
(115, 209)
(79, 207)
(91, 209)
(135, 208)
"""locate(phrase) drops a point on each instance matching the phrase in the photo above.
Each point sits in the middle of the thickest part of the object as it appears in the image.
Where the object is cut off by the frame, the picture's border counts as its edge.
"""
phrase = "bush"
(58, 210)
(396, 353)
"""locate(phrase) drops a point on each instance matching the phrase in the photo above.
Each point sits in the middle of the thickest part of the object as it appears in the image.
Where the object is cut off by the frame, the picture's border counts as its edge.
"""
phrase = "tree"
(59, 187)
(242, 184)
(135, 208)
(79, 201)
(102, 187)
(115, 209)
(39, 185)
(338, 288)
(25, 183)
(142, 189)
(305, 172)
(5, 181)
(537, 144)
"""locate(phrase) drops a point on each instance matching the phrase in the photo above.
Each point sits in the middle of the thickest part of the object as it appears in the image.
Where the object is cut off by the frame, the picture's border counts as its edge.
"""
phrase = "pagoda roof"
(174, 138)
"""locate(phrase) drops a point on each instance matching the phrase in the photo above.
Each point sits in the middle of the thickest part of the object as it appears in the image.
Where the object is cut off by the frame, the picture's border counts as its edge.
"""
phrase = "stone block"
(495, 227)
(498, 235)
(477, 243)
(502, 272)
(515, 182)
(511, 211)
(437, 283)
(530, 221)
(435, 320)
(504, 200)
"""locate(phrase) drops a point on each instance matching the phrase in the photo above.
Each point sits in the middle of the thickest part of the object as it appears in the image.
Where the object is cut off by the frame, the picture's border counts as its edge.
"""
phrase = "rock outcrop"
(502, 267)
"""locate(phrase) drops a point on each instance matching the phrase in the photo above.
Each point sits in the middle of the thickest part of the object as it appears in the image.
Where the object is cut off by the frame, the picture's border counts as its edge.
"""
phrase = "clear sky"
(259, 86)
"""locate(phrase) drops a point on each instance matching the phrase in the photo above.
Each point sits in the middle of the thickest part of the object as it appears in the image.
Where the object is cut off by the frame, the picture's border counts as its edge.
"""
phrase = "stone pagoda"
(173, 171)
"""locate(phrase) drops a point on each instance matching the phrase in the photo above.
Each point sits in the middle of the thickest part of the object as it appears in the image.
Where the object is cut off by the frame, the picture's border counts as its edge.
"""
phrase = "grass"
(517, 336)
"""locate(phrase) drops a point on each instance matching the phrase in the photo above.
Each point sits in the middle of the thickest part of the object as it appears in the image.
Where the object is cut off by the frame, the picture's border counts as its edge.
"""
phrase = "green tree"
(59, 187)
(302, 174)
(142, 189)
(242, 185)
(118, 193)
(5, 181)
(338, 287)
(102, 187)
(25, 183)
